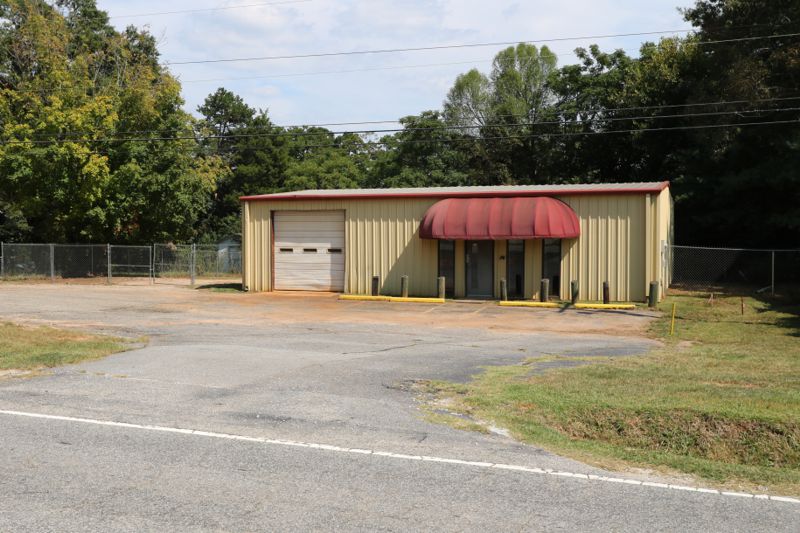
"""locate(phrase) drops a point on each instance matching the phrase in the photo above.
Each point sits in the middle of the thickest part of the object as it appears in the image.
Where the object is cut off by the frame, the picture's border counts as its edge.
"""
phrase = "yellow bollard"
(672, 325)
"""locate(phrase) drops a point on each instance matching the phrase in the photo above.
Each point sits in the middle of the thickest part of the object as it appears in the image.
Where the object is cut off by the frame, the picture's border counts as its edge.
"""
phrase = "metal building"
(337, 240)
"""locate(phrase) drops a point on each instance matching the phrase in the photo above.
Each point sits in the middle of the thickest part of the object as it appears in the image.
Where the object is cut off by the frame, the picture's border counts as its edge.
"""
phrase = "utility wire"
(528, 137)
(551, 135)
(323, 72)
(471, 45)
(201, 10)
(368, 69)
(445, 127)
(52, 90)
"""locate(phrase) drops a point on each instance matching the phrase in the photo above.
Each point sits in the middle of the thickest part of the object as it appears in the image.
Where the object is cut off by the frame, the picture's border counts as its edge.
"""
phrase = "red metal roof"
(500, 191)
(500, 218)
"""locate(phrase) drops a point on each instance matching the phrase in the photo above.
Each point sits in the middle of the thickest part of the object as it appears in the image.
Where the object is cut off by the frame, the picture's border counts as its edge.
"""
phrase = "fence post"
(664, 269)
(152, 258)
(108, 256)
(773, 273)
(2, 260)
(52, 263)
(192, 260)
(155, 254)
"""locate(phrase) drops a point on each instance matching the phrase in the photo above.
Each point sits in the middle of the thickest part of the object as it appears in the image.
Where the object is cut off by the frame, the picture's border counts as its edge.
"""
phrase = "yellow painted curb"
(417, 300)
(554, 305)
(365, 298)
(605, 306)
(549, 305)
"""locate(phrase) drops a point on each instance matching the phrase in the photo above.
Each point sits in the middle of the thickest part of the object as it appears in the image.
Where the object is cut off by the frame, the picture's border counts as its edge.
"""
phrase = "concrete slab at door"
(309, 250)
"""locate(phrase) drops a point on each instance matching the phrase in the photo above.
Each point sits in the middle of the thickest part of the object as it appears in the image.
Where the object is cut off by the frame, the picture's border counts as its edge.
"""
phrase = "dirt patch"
(307, 307)
(143, 303)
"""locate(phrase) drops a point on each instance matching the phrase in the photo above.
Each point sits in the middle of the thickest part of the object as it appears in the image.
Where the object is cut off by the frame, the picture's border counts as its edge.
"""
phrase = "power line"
(223, 8)
(296, 74)
(312, 73)
(562, 134)
(470, 45)
(443, 128)
(323, 72)
(539, 135)
(52, 90)
(368, 69)
(586, 110)
(579, 111)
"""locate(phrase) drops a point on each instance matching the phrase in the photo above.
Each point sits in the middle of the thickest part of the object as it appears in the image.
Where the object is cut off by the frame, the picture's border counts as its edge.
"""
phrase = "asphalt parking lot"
(291, 395)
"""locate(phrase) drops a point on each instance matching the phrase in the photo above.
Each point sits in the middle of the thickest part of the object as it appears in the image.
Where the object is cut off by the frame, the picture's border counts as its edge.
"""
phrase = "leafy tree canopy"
(66, 75)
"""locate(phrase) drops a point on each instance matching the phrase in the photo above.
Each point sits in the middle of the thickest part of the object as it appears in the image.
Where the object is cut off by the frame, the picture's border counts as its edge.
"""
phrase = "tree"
(73, 92)
(741, 188)
(224, 113)
(319, 159)
(501, 109)
(469, 102)
(252, 151)
(425, 154)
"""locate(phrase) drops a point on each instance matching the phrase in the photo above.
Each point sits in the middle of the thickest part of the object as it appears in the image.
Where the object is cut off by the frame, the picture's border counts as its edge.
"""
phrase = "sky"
(354, 88)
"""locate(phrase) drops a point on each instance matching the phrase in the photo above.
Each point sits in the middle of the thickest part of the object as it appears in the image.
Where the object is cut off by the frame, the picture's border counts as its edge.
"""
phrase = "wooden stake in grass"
(711, 300)
(672, 324)
(742, 305)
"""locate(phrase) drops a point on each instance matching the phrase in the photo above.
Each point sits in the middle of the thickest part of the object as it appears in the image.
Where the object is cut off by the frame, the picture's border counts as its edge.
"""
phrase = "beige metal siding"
(619, 243)
(665, 238)
(611, 248)
(533, 267)
(381, 238)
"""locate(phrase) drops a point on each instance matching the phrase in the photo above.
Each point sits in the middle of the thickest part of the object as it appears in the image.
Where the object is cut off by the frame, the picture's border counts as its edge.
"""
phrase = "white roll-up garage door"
(309, 250)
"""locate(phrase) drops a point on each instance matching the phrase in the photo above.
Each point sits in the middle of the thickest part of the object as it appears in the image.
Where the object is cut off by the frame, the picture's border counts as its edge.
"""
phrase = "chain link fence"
(732, 269)
(171, 263)
(685, 267)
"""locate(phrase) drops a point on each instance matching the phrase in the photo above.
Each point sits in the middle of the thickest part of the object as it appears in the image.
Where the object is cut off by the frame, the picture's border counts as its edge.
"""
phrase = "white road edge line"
(361, 451)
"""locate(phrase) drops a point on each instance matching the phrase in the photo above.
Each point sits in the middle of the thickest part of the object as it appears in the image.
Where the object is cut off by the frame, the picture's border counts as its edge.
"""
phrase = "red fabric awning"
(499, 219)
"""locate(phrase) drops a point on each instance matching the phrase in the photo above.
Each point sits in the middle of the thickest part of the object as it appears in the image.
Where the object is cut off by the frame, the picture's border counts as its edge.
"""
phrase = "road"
(302, 422)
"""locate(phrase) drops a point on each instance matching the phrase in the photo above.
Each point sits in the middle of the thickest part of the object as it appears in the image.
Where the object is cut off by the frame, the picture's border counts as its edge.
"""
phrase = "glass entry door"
(447, 266)
(480, 269)
(515, 264)
(551, 268)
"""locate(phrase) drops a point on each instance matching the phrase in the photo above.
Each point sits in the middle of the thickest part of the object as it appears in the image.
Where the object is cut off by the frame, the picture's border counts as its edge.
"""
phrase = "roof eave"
(280, 197)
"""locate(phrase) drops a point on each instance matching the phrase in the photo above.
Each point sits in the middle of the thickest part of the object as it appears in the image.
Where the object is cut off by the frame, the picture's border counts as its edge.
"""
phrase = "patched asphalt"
(313, 370)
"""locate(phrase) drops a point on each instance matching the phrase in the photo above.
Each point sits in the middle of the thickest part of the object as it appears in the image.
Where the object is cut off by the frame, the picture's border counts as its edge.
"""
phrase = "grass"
(31, 348)
(720, 400)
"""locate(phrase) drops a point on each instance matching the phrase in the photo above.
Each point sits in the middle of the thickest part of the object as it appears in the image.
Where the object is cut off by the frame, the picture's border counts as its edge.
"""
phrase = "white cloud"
(346, 25)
